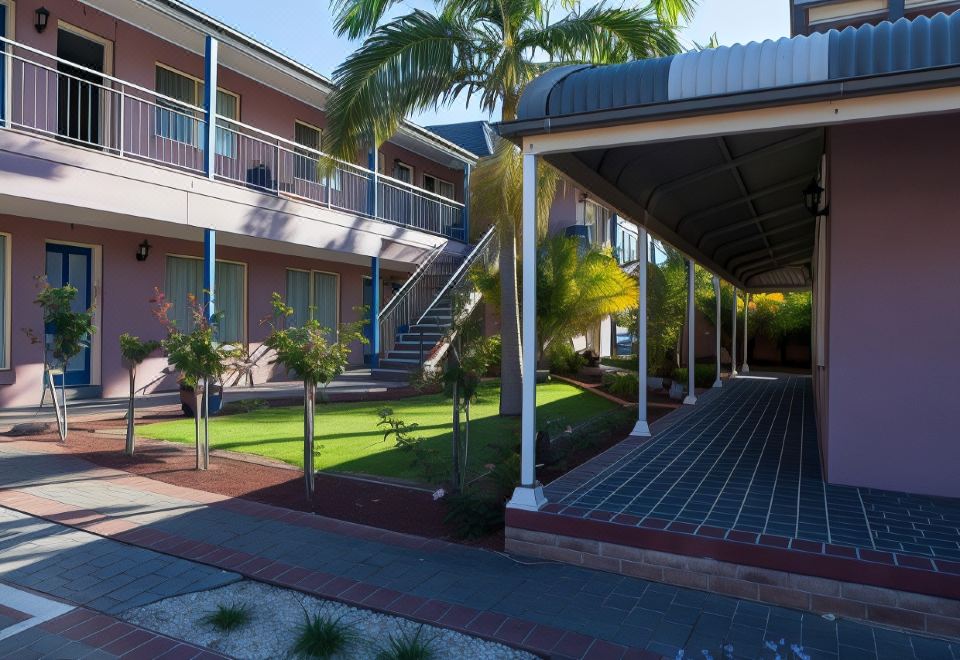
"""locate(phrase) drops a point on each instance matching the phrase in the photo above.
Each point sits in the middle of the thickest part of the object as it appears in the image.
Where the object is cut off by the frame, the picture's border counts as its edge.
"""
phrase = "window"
(597, 218)
(185, 276)
(5, 275)
(403, 172)
(173, 122)
(305, 166)
(314, 295)
(439, 186)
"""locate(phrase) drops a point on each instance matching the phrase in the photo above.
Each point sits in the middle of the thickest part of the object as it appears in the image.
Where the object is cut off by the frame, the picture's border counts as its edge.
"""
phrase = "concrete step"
(396, 375)
(400, 365)
(415, 338)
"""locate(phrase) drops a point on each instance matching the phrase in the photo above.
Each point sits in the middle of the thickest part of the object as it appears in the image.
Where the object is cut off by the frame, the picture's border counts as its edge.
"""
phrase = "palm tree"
(488, 51)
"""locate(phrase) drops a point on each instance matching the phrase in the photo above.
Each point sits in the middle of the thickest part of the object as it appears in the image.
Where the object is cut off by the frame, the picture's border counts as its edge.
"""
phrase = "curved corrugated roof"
(868, 50)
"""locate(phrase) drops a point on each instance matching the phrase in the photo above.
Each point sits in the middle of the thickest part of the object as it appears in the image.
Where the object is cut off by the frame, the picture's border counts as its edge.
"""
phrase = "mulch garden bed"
(393, 507)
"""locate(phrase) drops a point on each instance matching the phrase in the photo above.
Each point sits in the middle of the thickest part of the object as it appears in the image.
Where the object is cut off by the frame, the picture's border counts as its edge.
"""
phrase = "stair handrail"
(404, 290)
(479, 250)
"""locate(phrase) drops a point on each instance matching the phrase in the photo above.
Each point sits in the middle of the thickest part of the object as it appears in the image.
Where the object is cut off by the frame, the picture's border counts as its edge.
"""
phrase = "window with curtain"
(298, 297)
(185, 276)
(313, 295)
(173, 123)
(4, 297)
(597, 218)
(308, 136)
(439, 186)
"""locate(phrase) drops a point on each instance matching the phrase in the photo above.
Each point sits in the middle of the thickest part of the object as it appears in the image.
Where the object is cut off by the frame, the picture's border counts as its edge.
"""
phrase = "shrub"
(229, 617)
(424, 457)
(628, 362)
(563, 360)
(703, 375)
(623, 385)
(323, 637)
(473, 516)
(407, 647)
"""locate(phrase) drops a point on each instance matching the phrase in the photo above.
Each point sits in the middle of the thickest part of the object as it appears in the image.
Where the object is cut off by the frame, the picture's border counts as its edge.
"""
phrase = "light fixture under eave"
(813, 198)
(143, 250)
(42, 18)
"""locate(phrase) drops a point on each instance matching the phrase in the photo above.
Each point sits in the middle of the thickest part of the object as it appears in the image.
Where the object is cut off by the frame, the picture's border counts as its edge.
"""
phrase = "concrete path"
(359, 380)
(553, 609)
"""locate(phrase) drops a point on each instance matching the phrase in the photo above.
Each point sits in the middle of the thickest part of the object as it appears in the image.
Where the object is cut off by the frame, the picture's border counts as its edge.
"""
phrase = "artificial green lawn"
(349, 440)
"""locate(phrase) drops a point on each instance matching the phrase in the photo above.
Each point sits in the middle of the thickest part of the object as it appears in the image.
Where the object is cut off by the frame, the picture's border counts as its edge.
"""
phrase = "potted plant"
(312, 357)
(199, 358)
(67, 333)
(133, 352)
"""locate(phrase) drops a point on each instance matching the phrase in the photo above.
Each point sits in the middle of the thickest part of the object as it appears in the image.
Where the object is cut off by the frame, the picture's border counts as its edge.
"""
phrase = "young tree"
(488, 52)
(67, 332)
(309, 353)
(134, 352)
(199, 358)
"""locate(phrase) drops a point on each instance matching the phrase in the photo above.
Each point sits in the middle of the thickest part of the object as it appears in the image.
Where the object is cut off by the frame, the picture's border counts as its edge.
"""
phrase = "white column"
(745, 369)
(642, 428)
(529, 494)
(691, 398)
(719, 329)
(733, 337)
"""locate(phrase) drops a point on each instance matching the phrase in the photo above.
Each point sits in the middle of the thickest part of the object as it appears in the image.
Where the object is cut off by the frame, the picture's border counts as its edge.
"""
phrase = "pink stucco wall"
(126, 286)
(894, 312)
(136, 53)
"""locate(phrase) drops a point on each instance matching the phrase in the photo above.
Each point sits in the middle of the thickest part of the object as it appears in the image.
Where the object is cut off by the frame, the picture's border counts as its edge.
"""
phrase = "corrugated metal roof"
(907, 45)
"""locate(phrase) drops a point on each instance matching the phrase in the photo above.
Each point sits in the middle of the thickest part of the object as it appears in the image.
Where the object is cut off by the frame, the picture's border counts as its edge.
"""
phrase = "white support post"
(528, 495)
(691, 398)
(719, 328)
(745, 369)
(642, 428)
(733, 337)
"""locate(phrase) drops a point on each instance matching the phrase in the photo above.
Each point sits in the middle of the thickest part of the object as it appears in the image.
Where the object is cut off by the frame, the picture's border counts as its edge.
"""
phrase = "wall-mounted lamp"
(813, 197)
(143, 250)
(43, 16)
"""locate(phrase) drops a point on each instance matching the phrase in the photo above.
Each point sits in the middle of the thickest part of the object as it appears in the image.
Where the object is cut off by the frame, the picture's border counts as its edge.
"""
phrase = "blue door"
(72, 264)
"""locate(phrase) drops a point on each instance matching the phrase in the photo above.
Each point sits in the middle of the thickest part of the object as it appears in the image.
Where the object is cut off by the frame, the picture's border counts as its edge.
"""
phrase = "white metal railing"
(48, 95)
(416, 294)
(482, 255)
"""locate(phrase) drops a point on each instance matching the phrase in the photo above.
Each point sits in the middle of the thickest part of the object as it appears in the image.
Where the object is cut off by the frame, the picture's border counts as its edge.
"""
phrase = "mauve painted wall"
(894, 307)
(125, 289)
(136, 52)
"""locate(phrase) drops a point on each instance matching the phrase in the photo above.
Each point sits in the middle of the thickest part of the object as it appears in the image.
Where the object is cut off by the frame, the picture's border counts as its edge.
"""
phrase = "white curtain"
(185, 276)
(325, 301)
(230, 301)
(298, 297)
(3, 302)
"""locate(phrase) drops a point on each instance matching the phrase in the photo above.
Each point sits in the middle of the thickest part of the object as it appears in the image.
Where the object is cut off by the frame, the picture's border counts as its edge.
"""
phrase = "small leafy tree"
(198, 357)
(68, 332)
(309, 353)
(466, 365)
(134, 352)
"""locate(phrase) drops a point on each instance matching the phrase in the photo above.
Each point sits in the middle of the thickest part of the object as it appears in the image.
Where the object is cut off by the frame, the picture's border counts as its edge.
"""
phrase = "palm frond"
(358, 18)
(415, 62)
(674, 12)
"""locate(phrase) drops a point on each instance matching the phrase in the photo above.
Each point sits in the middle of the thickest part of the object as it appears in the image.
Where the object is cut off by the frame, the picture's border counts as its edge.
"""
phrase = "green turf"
(349, 440)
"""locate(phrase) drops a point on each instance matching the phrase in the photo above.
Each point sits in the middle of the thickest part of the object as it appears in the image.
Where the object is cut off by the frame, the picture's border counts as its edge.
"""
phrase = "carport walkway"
(553, 609)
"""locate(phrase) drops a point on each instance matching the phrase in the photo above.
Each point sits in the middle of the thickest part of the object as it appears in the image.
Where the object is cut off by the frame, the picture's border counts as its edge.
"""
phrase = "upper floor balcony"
(59, 99)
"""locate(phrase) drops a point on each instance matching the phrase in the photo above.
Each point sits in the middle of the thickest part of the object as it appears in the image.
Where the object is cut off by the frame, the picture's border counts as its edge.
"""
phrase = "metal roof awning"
(732, 201)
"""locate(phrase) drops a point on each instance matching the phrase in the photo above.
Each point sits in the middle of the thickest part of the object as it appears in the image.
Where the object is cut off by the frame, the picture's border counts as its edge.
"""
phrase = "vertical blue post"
(209, 271)
(467, 170)
(372, 193)
(210, 107)
(374, 312)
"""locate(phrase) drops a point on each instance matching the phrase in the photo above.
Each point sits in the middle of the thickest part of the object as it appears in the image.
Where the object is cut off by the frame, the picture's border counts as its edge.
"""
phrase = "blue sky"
(302, 29)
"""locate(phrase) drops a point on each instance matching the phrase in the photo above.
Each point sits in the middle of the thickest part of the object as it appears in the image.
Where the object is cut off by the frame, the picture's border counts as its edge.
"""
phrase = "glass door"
(72, 264)
(79, 91)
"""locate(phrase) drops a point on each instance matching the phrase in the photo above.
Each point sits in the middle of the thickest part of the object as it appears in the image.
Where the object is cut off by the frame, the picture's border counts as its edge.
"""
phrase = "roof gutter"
(710, 105)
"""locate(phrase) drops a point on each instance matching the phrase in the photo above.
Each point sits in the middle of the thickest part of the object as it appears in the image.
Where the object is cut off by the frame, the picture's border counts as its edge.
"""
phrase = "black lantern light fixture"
(813, 197)
(43, 16)
(143, 250)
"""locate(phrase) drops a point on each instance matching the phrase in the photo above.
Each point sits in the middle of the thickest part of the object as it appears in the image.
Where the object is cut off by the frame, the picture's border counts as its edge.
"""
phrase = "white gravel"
(276, 614)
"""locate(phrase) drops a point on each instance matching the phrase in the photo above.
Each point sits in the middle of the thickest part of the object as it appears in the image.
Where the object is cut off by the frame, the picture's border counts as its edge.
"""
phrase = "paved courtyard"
(554, 609)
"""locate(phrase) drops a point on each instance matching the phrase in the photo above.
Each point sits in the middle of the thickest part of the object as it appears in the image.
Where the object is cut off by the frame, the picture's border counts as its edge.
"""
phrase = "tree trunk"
(455, 477)
(511, 367)
(63, 401)
(309, 402)
(197, 401)
(129, 446)
(206, 423)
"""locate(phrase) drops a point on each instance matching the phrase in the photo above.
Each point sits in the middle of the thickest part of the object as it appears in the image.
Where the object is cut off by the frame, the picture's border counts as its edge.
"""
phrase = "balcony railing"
(53, 97)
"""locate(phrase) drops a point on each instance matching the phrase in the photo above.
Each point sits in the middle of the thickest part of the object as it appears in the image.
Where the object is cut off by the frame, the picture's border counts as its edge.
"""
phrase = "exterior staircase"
(417, 325)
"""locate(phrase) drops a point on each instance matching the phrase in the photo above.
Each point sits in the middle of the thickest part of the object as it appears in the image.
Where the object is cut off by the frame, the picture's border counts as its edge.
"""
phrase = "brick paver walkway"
(553, 609)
